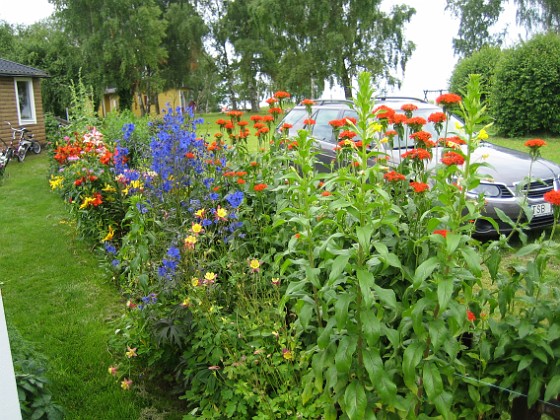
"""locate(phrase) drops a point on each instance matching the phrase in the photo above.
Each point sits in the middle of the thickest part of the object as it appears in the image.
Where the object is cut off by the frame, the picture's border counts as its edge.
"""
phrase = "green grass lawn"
(56, 297)
(551, 151)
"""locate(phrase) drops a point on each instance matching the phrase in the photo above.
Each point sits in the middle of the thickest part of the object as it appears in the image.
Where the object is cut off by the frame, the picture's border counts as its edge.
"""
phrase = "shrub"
(526, 94)
(481, 62)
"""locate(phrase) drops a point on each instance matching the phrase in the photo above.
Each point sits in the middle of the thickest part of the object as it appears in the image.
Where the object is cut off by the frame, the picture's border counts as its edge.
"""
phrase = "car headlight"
(488, 190)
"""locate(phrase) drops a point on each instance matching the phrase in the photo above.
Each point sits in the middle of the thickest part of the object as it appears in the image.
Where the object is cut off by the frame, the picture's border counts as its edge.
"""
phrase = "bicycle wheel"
(22, 151)
(4, 156)
(36, 147)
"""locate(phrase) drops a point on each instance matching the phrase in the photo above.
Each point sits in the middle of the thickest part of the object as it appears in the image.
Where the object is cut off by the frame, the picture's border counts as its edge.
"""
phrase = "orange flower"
(442, 232)
(419, 187)
(471, 316)
(307, 102)
(409, 107)
(535, 143)
(452, 158)
(448, 99)
(281, 95)
(394, 176)
(326, 193)
(309, 121)
(552, 197)
(437, 117)
(420, 154)
(260, 187)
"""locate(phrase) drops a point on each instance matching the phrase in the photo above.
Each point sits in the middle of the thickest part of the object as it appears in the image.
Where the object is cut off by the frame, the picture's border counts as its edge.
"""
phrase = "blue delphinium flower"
(235, 199)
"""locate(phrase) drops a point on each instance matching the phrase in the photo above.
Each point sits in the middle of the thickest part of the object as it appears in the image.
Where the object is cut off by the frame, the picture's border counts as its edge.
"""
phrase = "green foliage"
(526, 94)
(258, 287)
(35, 397)
(482, 62)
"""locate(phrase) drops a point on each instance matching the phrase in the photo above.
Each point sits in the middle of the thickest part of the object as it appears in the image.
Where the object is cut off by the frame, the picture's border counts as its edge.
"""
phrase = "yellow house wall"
(168, 98)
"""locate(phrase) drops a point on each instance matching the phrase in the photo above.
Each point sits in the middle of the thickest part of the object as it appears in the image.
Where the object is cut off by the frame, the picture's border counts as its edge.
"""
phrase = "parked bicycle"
(25, 140)
(6, 154)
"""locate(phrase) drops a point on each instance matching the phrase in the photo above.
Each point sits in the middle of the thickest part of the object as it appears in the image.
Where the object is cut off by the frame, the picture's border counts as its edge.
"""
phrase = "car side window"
(296, 117)
(322, 130)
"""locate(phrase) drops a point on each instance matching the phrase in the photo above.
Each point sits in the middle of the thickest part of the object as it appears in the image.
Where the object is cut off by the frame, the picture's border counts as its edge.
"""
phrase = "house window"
(25, 101)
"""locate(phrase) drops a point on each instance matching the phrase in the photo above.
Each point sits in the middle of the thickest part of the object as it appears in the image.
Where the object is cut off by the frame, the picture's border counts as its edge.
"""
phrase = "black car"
(504, 185)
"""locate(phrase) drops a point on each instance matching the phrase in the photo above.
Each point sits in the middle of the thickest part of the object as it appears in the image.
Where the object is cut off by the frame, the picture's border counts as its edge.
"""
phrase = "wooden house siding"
(9, 112)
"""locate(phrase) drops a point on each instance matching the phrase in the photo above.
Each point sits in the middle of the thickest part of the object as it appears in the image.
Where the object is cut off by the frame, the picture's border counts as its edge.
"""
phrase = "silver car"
(505, 181)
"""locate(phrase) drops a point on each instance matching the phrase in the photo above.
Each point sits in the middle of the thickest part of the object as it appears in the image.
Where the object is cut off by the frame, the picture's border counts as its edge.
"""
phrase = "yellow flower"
(136, 184)
(186, 303)
(221, 213)
(109, 235)
(210, 278)
(56, 182)
(87, 201)
(384, 140)
(197, 228)
(376, 127)
(199, 213)
(287, 354)
(109, 188)
(485, 156)
(126, 383)
(131, 352)
(112, 370)
(482, 134)
(255, 265)
(458, 126)
(195, 281)
(190, 241)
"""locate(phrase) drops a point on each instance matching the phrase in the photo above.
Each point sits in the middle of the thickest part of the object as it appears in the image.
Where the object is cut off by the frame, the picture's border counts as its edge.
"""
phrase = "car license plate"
(543, 209)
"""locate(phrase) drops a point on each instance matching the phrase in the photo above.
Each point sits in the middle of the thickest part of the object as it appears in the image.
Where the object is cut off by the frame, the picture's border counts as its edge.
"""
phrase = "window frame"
(30, 96)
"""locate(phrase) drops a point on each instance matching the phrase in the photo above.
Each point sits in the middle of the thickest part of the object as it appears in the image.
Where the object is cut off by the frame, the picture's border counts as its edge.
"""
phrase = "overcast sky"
(431, 29)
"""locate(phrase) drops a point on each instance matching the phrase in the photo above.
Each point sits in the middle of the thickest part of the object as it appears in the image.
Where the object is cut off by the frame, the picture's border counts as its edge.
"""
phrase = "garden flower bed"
(260, 288)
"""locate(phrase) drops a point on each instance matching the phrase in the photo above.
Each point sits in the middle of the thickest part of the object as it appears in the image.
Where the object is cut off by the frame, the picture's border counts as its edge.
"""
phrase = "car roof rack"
(400, 98)
(330, 101)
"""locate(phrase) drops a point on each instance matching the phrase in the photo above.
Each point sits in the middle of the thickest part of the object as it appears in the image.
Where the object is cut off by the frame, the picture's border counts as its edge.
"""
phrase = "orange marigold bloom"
(307, 102)
(448, 99)
(242, 123)
(347, 134)
(552, 197)
(384, 112)
(268, 118)
(309, 121)
(394, 176)
(337, 123)
(275, 110)
(419, 187)
(255, 118)
(535, 143)
(423, 137)
(260, 187)
(452, 158)
(271, 101)
(286, 126)
(391, 133)
(326, 193)
(454, 140)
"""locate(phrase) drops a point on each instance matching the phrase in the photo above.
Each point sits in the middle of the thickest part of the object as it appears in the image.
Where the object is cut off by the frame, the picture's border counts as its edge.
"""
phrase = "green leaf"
(552, 388)
(366, 282)
(432, 380)
(338, 266)
(363, 233)
(411, 359)
(424, 270)
(452, 242)
(386, 296)
(444, 292)
(355, 401)
(438, 333)
(534, 390)
(344, 354)
(371, 327)
(341, 309)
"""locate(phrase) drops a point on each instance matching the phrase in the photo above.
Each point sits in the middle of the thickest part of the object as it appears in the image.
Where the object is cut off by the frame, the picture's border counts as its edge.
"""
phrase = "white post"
(9, 401)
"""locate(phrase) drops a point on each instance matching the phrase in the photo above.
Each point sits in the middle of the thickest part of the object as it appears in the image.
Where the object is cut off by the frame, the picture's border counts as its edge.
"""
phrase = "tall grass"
(58, 300)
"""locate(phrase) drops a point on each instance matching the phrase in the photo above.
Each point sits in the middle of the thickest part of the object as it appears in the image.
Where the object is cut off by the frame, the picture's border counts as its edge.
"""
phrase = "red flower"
(241, 181)
(347, 134)
(419, 187)
(309, 121)
(267, 118)
(260, 187)
(255, 118)
(535, 143)
(452, 158)
(420, 154)
(275, 111)
(242, 123)
(442, 232)
(423, 137)
(326, 193)
(409, 107)
(221, 122)
(271, 101)
(552, 197)
(415, 122)
(281, 95)
(337, 123)
(454, 140)
(398, 119)
(471, 316)
(391, 133)
(307, 102)
(384, 112)
(437, 117)
(254, 164)
(394, 176)
(286, 126)
(448, 99)
(189, 155)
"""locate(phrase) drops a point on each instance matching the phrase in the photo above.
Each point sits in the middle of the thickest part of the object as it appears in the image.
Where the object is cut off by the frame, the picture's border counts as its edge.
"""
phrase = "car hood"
(503, 165)
(510, 166)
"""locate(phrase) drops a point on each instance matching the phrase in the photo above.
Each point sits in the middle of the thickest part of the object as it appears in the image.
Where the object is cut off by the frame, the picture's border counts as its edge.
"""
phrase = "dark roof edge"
(11, 68)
